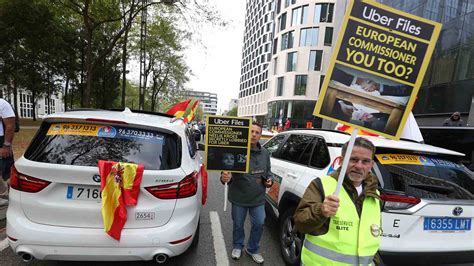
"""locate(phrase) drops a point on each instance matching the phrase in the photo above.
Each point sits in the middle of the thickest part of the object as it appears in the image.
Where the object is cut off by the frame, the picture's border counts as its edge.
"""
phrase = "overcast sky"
(217, 68)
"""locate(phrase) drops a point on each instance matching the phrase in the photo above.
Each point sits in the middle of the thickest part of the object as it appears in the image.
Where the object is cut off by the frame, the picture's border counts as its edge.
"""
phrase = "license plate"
(446, 224)
(142, 216)
(83, 193)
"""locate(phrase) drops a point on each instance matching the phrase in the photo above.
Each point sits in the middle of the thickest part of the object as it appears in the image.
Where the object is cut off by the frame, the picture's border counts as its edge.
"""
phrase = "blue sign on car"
(446, 224)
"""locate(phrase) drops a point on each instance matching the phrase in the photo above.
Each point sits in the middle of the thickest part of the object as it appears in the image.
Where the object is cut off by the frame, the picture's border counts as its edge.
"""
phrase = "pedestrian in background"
(247, 194)
(343, 229)
(7, 131)
(287, 124)
(454, 120)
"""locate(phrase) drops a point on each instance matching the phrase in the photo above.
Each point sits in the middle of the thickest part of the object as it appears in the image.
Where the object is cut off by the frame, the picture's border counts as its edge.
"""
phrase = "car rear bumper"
(46, 242)
(427, 258)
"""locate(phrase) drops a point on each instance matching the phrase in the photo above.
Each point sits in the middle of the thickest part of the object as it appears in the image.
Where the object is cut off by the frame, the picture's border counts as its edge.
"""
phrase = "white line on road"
(3, 244)
(219, 244)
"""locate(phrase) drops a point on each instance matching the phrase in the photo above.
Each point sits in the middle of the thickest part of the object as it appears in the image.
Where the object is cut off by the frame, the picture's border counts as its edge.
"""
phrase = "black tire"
(196, 236)
(290, 240)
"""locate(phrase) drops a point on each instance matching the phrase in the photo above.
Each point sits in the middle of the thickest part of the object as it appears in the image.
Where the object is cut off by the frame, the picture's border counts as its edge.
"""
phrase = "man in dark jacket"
(247, 194)
(317, 211)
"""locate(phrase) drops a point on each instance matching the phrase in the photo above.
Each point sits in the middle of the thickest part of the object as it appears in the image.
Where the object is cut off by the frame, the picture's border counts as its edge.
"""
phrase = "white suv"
(55, 204)
(428, 195)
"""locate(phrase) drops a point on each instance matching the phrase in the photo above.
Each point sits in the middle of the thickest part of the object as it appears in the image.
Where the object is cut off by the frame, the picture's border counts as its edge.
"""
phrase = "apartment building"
(207, 100)
(256, 56)
(286, 80)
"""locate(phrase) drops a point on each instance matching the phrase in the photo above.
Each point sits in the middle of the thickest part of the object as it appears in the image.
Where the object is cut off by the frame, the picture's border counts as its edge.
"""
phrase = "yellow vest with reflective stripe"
(350, 240)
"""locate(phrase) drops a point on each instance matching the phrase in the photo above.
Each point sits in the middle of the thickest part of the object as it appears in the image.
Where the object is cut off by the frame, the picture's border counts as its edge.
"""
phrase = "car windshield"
(86, 144)
(426, 176)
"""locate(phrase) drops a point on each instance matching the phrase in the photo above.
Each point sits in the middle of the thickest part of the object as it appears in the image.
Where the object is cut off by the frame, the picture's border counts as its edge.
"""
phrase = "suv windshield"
(86, 144)
(425, 176)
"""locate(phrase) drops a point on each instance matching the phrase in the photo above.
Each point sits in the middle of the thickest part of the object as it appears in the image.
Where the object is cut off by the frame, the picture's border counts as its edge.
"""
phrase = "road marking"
(3, 244)
(218, 237)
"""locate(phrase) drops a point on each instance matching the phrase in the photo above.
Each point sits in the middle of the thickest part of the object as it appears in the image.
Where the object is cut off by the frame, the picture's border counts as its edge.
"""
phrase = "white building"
(304, 34)
(207, 100)
(256, 55)
(43, 106)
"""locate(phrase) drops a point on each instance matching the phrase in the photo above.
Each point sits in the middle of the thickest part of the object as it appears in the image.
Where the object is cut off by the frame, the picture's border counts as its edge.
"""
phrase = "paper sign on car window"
(73, 129)
(404, 159)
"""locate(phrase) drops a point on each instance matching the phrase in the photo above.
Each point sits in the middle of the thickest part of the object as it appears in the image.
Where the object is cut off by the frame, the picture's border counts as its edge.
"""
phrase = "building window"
(49, 106)
(291, 61)
(328, 36)
(300, 84)
(321, 81)
(283, 21)
(275, 66)
(323, 12)
(275, 42)
(299, 15)
(279, 86)
(287, 40)
(26, 105)
(289, 2)
(315, 59)
(309, 37)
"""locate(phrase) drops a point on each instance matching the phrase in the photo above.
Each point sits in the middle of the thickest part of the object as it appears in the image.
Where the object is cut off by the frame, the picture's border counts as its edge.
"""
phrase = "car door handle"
(292, 175)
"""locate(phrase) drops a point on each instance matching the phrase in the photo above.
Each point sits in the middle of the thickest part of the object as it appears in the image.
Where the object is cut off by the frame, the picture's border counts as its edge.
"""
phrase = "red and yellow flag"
(179, 109)
(348, 129)
(190, 116)
(120, 187)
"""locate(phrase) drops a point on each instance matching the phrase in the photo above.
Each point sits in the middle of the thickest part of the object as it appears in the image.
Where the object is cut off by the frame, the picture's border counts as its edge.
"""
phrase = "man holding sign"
(346, 228)
(247, 194)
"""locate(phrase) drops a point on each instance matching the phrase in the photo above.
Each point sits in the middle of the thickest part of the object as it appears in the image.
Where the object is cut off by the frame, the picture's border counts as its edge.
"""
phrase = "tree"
(32, 45)
(166, 66)
(233, 111)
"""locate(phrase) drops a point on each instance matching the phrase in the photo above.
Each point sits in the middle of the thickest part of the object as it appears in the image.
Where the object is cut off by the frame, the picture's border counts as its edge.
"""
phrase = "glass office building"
(448, 85)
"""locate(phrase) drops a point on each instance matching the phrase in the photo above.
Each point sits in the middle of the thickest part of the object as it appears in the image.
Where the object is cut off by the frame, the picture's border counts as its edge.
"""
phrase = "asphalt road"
(205, 253)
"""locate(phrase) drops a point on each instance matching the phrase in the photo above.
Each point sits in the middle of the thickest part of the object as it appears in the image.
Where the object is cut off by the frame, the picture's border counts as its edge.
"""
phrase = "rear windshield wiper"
(434, 188)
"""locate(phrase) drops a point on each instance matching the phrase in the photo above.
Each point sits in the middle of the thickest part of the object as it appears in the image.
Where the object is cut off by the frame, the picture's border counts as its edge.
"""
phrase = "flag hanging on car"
(179, 109)
(192, 112)
(120, 187)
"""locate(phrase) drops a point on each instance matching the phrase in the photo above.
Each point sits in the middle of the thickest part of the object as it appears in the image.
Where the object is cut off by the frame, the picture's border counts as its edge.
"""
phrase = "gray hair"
(359, 142)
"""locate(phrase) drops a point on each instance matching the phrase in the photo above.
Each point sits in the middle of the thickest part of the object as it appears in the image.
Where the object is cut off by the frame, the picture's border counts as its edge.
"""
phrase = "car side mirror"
(197, 135)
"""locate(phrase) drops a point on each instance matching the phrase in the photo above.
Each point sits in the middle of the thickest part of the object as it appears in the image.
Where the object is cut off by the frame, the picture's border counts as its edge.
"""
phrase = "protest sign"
(227, 144)
(377, 68)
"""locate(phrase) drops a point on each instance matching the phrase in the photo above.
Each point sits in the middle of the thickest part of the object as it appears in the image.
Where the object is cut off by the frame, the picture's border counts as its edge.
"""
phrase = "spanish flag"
(120, 187)
(179, 109)
(190, 116)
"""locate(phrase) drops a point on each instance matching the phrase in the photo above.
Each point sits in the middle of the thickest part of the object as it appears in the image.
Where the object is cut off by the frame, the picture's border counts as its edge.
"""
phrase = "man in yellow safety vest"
(344, 229)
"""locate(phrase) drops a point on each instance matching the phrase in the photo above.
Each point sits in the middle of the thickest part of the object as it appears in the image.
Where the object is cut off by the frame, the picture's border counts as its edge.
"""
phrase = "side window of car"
(273, 144)
(192, 146)
(294, 148)
(320, 157)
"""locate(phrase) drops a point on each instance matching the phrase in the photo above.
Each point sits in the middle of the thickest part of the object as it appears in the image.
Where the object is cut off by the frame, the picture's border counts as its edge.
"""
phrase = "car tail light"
(26, 183)
(183, 189)
(398, 202)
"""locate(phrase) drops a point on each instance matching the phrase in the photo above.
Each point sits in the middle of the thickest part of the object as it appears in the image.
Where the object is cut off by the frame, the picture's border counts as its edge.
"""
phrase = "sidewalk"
(3, 221)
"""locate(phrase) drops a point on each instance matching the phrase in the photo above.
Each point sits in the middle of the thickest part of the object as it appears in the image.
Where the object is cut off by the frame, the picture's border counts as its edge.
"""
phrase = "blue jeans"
(257, 219)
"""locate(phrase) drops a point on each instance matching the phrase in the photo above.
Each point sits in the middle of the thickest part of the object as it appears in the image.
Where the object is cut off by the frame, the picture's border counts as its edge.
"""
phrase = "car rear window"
(85, 144)
(426, 176)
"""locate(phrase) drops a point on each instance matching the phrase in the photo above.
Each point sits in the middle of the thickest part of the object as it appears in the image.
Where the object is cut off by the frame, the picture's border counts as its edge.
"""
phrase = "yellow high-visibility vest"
(350, 240)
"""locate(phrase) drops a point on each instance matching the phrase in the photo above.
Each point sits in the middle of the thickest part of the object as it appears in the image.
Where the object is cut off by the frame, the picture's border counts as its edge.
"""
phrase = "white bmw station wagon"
(55, 200)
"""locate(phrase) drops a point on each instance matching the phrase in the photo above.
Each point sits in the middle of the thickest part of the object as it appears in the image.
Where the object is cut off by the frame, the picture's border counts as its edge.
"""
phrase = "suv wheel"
(290, 240)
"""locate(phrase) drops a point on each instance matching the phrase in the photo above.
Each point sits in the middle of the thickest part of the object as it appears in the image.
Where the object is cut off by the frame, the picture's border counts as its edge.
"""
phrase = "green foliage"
(232, 112)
